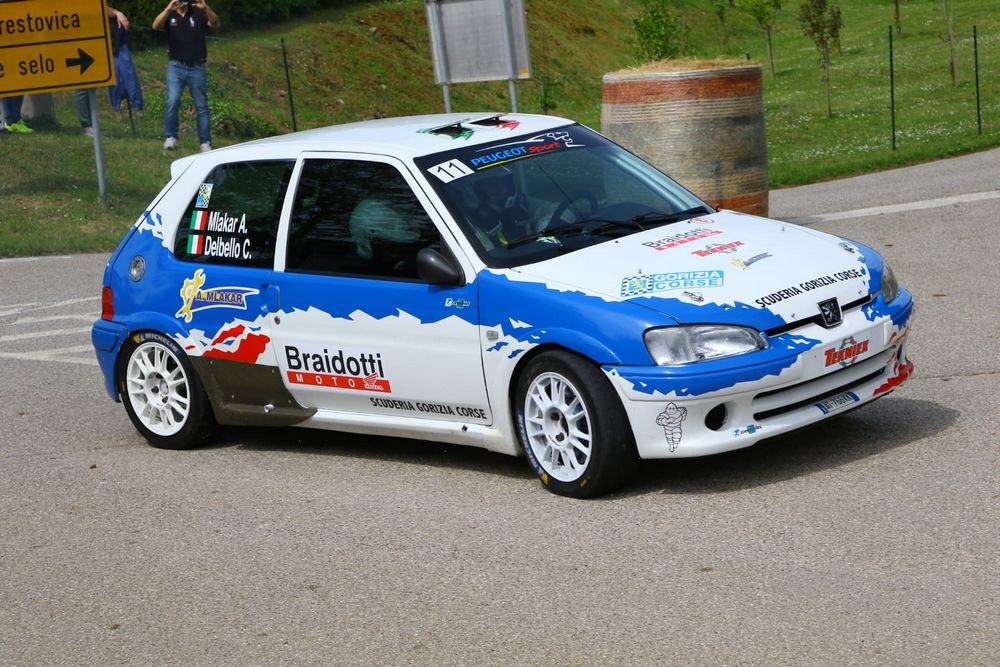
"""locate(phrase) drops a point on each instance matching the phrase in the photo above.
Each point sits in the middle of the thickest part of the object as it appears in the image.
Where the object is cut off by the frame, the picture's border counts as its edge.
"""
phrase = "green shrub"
(658, 32)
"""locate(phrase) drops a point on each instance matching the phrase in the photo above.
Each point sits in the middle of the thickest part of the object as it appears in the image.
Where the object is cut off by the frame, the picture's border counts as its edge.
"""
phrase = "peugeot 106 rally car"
(513, 282)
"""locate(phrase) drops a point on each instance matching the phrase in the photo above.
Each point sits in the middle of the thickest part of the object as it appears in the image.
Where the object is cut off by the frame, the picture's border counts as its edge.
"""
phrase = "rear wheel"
(162, 395)
(573, 427)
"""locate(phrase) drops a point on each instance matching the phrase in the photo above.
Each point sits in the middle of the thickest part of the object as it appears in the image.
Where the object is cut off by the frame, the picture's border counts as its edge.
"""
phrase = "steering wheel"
(566, 203)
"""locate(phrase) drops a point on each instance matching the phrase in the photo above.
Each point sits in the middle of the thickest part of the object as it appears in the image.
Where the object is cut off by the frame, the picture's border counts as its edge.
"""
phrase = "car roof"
(404, 137)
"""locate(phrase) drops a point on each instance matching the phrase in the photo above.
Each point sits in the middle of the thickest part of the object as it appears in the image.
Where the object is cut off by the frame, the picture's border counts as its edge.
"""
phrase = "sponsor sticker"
(750, 429)
(428, 407)
(536, 145)
(807, 286)
(846, 353)
(204, 195)
(195, 298)
(746, 263)
(674, 240)
(341, 369)
(715, 248)
(662, 282)
(670, 420)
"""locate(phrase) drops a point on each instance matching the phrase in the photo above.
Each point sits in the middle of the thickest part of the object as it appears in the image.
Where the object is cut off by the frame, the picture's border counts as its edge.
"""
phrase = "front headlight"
(890, 288)
(675, 346)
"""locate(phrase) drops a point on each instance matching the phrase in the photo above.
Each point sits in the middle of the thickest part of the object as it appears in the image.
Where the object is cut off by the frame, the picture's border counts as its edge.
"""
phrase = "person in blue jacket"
(119, 22)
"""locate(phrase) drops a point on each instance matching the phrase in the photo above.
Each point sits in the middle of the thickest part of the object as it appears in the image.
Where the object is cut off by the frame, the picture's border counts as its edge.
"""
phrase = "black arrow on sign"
(84, 61)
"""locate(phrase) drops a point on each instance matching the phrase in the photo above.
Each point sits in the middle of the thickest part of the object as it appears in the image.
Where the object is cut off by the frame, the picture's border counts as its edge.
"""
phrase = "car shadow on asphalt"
(877, 428)
(873, 430)
(372, 447)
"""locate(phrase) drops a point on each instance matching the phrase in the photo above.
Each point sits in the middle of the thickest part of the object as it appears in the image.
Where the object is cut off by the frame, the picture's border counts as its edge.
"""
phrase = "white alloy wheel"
(558, 427)
(157, 387)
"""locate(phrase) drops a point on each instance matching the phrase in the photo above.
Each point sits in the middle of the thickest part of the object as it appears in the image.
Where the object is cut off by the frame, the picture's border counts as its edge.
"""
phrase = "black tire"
(572, 426)
(162, 394)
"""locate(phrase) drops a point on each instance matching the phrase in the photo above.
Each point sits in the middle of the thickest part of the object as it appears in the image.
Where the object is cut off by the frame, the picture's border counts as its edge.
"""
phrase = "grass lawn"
(372, 60)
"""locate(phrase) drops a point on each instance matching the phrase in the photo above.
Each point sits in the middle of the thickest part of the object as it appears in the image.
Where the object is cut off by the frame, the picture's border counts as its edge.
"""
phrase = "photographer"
(186, 23)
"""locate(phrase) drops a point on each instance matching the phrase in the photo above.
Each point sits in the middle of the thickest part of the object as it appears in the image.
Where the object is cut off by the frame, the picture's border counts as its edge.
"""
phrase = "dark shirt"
(119, 36)
(186, 36)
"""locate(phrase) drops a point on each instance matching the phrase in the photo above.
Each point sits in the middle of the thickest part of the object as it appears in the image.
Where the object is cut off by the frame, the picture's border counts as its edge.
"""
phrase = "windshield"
(532, 197)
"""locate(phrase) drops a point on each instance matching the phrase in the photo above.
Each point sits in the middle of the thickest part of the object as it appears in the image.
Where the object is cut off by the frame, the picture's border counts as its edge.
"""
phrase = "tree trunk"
(826, 80)
(770, 53)
(951, 49)
(899, 23)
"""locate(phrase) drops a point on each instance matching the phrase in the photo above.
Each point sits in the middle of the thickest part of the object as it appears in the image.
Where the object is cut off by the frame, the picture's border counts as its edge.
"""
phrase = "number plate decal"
(837, 402)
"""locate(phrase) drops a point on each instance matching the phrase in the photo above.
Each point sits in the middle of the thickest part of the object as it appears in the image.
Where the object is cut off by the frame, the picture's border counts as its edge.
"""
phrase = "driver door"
(355, 328)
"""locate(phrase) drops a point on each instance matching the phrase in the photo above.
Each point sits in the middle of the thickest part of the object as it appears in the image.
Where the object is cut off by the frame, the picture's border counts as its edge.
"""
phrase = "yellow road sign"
(48, 45)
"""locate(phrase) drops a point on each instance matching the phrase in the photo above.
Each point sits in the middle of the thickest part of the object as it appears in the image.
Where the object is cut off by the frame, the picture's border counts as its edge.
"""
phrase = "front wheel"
(162, 395)
(573, 427)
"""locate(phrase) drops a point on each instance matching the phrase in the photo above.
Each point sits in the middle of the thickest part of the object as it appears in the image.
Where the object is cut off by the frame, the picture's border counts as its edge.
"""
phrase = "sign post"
(49, 45)
(478, 40)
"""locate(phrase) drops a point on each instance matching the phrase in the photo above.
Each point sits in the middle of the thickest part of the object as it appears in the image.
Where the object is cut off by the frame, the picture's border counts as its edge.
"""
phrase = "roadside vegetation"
(369, 60)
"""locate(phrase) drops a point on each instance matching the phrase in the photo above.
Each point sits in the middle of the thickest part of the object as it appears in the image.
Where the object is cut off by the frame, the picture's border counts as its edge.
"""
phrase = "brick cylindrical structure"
(703, 127)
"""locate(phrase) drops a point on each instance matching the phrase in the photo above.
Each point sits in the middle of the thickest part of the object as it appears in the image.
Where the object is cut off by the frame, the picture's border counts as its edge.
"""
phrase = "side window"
(233, 218)
(357, 218)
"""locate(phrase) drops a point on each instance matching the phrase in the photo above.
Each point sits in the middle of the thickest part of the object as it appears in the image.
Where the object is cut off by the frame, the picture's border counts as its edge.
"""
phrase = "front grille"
(817, 318)
(787, 399)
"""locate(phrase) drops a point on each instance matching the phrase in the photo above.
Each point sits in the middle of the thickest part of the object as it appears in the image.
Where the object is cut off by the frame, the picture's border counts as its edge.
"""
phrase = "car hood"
(722, 268)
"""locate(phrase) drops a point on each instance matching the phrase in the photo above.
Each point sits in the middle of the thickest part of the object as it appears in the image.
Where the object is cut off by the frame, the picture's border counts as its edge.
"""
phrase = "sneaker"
(88, 131)
(170, 143)
(207, 146)
(19, 127)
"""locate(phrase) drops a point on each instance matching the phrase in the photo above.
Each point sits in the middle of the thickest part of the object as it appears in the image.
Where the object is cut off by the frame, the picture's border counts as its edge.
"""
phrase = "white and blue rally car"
(513, 282)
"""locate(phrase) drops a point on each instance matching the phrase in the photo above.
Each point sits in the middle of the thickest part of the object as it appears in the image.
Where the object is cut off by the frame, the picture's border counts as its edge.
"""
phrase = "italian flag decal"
(196, 242)
(199, 220)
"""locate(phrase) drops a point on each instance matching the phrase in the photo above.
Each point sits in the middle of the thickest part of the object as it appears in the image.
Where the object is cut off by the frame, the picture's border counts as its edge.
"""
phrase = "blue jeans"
(192, 76)
(12, 108)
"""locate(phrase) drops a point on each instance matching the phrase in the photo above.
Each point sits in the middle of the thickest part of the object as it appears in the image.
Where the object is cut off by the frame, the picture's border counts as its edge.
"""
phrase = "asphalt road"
(870, 540)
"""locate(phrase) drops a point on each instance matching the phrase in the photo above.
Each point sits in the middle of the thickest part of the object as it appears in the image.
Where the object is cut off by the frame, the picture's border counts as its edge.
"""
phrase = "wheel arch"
(137, 336)
(608, 417)
(588, 350)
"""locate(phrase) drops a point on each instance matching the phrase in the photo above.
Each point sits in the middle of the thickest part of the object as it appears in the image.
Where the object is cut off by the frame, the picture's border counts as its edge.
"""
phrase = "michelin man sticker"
(670, 419)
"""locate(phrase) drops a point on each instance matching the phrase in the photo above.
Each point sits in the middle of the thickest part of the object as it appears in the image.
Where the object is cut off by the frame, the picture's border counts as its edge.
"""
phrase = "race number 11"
(450, 170)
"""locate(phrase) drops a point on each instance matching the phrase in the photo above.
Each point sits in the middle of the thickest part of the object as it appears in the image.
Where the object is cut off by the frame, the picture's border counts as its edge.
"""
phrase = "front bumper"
(842, 368)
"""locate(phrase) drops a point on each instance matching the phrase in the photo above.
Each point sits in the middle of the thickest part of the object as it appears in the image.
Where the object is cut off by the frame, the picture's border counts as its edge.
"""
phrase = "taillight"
(107, 304)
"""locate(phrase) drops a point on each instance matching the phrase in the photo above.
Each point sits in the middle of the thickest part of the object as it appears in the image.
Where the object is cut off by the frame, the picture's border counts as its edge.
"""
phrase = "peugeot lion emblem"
(829, 310)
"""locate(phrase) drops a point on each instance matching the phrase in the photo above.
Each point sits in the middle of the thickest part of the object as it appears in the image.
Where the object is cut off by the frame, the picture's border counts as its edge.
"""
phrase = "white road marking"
(21, 260)
(903, 208)
(16, 308)
(44, 334)
(55, 355)
(56, 318)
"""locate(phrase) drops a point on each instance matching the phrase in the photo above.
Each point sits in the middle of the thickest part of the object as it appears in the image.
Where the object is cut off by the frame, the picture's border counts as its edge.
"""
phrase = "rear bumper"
(107, 338)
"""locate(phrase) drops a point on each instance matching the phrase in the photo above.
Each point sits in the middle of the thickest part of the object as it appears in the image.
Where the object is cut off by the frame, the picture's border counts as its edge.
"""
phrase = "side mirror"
(438, 268)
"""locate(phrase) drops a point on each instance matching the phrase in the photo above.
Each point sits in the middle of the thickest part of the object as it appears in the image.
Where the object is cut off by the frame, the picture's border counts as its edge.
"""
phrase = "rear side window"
(233, 217)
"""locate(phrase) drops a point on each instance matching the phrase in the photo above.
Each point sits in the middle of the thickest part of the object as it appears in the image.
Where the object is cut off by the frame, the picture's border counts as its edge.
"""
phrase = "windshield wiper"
(662, 218)
(580, 227)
